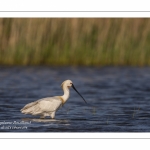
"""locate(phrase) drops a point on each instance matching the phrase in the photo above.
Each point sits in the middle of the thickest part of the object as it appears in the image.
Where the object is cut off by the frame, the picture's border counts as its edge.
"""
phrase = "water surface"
(119, 99)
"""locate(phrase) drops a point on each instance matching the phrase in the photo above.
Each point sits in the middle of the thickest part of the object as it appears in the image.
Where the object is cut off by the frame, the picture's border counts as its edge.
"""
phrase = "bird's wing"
(30, 105)
(48, 104)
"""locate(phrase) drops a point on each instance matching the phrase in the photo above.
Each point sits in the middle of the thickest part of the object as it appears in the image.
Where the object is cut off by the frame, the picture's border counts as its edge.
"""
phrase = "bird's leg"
(52, 115)
(42, 116)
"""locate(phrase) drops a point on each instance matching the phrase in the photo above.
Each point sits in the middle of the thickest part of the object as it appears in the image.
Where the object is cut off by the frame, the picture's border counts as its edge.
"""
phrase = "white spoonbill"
(49, 105)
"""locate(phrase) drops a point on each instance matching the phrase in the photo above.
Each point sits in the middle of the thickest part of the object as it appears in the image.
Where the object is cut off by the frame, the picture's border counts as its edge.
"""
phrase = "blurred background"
(75, 41)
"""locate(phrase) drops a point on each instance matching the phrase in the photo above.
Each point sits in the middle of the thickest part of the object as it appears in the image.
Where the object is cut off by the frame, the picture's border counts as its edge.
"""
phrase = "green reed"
(75, 41)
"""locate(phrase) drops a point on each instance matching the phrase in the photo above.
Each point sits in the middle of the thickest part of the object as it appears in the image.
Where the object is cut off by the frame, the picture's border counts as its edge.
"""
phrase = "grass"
(75, 41)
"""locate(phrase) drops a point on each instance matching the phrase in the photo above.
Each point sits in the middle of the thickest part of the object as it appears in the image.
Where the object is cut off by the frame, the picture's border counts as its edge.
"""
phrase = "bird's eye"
(71, 83)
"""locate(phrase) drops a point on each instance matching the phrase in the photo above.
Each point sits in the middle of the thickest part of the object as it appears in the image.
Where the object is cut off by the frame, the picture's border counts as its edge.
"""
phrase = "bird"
(49, 105)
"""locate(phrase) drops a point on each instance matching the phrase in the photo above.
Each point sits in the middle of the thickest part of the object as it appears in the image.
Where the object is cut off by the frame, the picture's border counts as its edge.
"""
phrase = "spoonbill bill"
(49, 105)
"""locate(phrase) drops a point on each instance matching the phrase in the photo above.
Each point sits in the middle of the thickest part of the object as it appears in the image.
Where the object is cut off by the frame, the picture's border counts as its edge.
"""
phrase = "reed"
(75, 41)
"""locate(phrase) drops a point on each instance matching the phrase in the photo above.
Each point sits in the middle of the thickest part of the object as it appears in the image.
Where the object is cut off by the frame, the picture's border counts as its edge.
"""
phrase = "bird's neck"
(66, 94)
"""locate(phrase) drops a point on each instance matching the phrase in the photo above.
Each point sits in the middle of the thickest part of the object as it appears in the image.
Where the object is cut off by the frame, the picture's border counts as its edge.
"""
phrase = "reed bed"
(75, 41)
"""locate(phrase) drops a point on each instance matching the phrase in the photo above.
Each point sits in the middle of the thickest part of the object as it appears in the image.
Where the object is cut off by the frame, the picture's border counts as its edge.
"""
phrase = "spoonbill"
(49, 105)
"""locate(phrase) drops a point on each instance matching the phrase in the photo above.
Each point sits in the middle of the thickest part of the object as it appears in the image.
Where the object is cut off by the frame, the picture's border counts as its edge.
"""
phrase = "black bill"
(78, 92)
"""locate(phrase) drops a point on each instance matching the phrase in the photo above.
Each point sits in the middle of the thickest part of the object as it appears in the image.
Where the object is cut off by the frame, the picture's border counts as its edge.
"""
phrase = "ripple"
(118, 98)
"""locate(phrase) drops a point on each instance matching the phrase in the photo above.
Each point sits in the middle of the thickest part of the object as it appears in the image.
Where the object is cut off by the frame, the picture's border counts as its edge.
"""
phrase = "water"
(119, 99)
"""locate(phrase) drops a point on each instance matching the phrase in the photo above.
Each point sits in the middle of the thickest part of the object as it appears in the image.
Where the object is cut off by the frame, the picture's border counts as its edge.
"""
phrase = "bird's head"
(69, 83)
(66, 83)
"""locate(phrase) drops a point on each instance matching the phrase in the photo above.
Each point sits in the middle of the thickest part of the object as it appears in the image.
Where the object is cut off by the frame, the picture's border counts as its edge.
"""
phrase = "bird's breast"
(62, 100)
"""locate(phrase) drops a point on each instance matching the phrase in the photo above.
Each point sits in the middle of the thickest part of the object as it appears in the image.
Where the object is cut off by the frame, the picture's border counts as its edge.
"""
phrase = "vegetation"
(75, 41)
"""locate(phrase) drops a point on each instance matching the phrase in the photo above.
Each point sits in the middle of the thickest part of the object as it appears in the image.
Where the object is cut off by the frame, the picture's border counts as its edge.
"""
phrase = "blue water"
(118, 99)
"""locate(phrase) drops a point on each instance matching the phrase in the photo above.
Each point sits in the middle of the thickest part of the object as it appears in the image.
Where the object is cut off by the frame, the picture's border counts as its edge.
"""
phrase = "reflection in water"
(44, 120)
(118, 99)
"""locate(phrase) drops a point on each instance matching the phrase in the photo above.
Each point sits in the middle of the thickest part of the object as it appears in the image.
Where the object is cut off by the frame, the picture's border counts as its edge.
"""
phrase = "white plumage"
(48, 106)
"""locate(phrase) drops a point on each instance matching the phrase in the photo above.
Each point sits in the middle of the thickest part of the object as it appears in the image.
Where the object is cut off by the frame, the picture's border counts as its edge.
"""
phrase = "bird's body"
(43, 107)
(48, 106)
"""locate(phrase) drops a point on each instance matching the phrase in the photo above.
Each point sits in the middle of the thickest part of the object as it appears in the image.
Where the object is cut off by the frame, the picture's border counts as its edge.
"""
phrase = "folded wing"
(45, 105)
